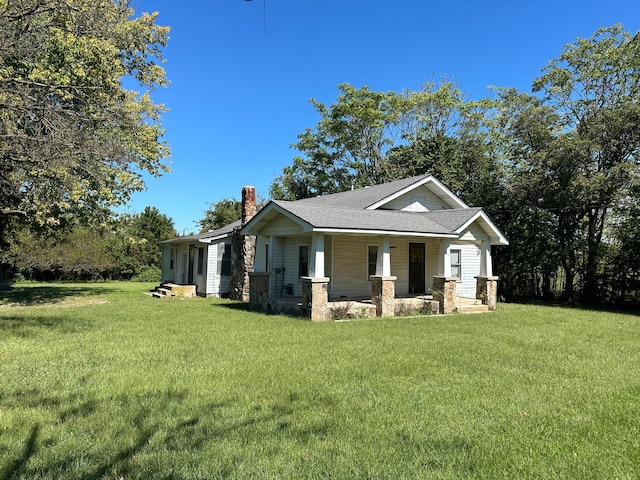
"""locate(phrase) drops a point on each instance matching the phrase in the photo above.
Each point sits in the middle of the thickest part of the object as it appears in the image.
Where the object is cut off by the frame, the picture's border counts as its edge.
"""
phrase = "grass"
(99, 381)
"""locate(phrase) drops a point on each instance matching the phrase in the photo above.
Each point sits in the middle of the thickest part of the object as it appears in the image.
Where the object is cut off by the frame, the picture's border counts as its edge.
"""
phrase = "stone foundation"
(383, 292)
(444, 292)
(487, 291)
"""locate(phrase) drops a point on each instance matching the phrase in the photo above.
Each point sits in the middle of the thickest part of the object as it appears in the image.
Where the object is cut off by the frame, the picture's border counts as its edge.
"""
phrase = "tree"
(74, 139)
(220, 214)
(594, 86)
(368, 137)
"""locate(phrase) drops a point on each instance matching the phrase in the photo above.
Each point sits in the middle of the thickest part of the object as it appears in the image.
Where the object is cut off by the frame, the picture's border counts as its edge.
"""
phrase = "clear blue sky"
(242, 73)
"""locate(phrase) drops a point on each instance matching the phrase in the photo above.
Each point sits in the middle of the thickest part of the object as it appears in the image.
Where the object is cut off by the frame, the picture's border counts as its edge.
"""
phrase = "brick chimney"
(243, 248)
(248, 203)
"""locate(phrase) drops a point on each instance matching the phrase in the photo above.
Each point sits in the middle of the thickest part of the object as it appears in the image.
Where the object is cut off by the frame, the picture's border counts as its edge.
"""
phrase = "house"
(203, 260)
(217, 262)
(381, 245)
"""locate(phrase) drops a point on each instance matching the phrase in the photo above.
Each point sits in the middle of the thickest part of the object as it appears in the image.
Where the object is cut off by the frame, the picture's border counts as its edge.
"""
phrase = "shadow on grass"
(126, 434)
(29, 295)
(27, 326)
(15, 468)
(585, 307)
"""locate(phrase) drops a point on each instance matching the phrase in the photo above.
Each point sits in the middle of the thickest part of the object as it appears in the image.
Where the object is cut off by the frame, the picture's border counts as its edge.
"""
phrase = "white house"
(203, 260)
(404, 238)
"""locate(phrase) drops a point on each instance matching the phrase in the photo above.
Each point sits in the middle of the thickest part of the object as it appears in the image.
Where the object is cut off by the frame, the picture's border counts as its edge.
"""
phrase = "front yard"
(101, 381)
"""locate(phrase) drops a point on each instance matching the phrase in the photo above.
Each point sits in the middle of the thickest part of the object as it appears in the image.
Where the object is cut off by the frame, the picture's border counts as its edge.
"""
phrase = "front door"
(416, 268)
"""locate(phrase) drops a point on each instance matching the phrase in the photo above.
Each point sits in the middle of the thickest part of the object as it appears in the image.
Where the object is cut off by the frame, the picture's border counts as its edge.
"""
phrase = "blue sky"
(242, 73)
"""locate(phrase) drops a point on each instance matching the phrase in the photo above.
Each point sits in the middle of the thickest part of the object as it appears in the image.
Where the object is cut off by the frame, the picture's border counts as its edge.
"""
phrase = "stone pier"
(487, 291)
(383, 292)
(315, 298)
(258, 290)
(444, 291)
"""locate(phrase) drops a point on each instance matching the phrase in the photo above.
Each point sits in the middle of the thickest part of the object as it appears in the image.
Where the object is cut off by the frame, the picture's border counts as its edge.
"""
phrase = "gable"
(420, 199)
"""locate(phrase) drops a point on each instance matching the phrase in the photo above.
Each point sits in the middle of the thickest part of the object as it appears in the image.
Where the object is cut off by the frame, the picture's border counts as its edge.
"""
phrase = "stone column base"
(258, 289)
(444, 292)
(315, 298)
(487, 291)
(383, 293)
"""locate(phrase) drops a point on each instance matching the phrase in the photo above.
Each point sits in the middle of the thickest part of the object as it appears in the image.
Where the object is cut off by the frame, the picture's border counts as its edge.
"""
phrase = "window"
(456, 263)
(171, 259)
(200, 260)
(225, 269)
(372, 257)
(303, 260)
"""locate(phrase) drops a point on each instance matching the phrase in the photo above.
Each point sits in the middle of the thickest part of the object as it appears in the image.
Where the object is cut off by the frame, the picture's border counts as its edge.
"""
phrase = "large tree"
(73, 137)
(594, 86)
(368, 137)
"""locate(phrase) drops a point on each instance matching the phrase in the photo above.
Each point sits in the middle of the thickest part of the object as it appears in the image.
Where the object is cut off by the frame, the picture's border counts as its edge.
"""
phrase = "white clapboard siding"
(213, 280)
(420, 199)
(470, 269)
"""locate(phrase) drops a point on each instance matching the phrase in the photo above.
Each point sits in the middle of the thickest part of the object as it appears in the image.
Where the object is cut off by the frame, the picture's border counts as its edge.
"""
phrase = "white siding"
(474, 233)
(420, 199)
(281, 226)
(213, 279)
(276, 252)
(168, 273)
(470, 269)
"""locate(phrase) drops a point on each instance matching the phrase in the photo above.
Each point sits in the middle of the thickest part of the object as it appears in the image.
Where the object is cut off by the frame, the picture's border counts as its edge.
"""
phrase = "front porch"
(315, 304)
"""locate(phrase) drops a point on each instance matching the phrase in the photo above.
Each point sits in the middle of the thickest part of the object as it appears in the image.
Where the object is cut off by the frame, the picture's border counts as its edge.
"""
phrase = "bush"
(148, 274)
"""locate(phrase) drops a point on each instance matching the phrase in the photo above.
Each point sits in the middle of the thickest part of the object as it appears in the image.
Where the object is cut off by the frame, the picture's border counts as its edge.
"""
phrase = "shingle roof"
(363, 197)
(444, 222)
(227, 229)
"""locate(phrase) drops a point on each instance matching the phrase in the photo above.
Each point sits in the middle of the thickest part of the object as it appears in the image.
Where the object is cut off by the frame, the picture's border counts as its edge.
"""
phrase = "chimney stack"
(248, 203)
(243, 248)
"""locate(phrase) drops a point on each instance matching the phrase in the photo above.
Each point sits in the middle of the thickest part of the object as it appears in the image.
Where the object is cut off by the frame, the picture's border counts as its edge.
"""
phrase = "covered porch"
(335, 261)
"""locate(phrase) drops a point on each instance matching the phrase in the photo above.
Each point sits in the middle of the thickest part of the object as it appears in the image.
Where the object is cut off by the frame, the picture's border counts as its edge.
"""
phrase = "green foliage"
(74, 139)
(557, 170)
(124, 248)
(129, 386)
(367, 138)
(221, 214)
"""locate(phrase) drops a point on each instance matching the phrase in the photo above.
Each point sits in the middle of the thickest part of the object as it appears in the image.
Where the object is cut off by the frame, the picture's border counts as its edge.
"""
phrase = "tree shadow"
(27, 326)
(149, 424)
(15, 468)
(30, 295)
(586, 307)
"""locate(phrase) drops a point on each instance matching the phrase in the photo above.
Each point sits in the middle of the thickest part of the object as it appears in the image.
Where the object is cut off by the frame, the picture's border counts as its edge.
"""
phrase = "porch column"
(316, 258)
(383, 293)
(383, 260)
(444, 292)
(315, 298)
(444, 262)
(487, 291)
(485, 259)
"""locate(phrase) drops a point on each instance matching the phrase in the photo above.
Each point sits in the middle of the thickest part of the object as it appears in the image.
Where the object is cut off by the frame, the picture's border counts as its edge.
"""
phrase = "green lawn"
(100, 381)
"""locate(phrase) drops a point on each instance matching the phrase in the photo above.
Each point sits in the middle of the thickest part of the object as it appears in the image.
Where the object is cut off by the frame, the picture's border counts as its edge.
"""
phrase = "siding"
(168, 273)
(213, 280)
(470, 269)
(420, 199)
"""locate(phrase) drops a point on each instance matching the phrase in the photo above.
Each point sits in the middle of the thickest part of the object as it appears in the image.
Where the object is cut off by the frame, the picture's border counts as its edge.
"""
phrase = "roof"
(363, 197)
(377, 195)
(205, 237)
(327, 218)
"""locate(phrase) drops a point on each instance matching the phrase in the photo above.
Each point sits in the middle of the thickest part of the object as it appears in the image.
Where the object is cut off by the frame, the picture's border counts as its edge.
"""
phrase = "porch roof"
(324, 218)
